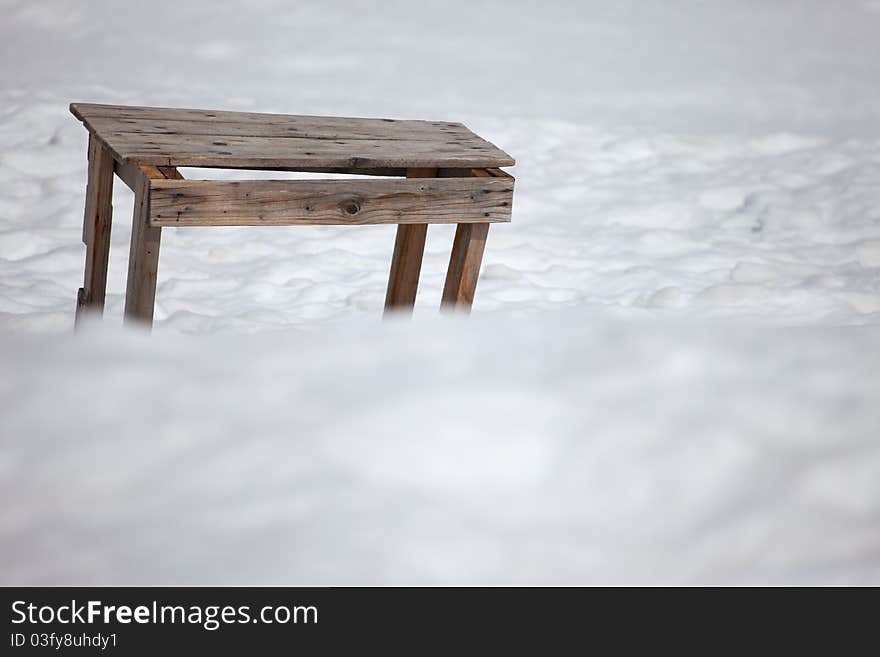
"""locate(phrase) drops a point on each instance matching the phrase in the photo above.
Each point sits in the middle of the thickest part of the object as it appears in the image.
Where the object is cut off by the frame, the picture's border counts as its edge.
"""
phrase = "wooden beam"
(135, 116)
(170, 173)
(464, 266)
(293, 127)
(330, 202)
(130, 173)
(467, 250)
(406, 262)
(96, 230)
(143, 259)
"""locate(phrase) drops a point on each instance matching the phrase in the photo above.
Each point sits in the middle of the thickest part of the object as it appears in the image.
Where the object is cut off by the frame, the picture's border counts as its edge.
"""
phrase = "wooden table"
(432, 172)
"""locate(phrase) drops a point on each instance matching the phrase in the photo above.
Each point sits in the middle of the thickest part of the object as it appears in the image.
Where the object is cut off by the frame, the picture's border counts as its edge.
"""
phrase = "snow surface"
(670, 375)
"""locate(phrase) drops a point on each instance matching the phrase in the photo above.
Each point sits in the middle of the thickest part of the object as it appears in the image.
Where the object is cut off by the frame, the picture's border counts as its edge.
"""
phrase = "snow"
(670, 374)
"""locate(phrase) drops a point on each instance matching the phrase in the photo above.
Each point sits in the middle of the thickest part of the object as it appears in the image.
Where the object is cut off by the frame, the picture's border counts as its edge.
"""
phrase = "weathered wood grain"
(97, 222)
(464, 266)
(143, 259)
(406, 266)
(175, 137)
(406, 261)
(453, 176)
(257, 152)
(186, 145)
(293, 128)
(89, 111)
(467, 250)
(330, 202)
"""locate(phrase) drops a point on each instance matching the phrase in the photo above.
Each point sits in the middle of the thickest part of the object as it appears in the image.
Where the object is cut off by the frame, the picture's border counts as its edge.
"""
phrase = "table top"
(208, 138)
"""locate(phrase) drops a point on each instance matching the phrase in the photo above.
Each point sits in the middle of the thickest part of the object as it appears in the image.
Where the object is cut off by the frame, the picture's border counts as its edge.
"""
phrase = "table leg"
(464, 266)
(96, 230)
(406, 263)
(143, 260)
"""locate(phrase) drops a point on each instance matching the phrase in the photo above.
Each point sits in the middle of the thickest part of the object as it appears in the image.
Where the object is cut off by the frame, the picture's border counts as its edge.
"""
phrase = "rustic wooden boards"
(406, 261)
(205, 138)
(467, 255)
(330, 202)
(464, 266)
(143, 257)
(96, 230)
(451, 176)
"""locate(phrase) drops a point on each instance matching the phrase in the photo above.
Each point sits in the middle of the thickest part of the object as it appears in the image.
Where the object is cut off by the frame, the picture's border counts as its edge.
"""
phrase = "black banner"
(134, 621)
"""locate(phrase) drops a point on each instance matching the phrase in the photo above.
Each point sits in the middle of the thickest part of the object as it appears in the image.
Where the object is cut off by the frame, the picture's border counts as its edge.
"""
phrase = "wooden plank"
(173, 137)
(143, 259)
(306, 161)
(91, 189)
(210, 144)
(330, 202)
(97, 222)
(467, 251)
(293, 128)
(464, 266)
(406, 266)
(406, 261)
(87, 111)
(254, 152)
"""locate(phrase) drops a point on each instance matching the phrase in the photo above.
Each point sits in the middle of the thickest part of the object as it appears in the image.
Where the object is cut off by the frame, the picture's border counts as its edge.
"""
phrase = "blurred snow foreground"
(474, 452)
(670, 376)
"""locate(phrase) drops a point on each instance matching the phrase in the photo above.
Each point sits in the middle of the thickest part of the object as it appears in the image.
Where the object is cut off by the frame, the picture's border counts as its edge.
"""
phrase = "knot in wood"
(351, 207)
